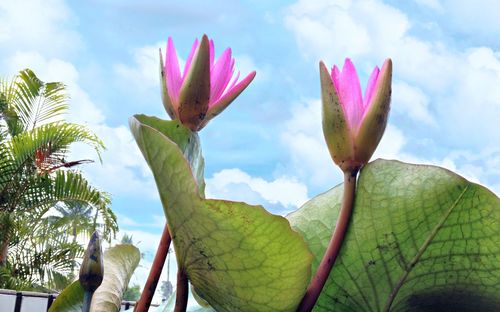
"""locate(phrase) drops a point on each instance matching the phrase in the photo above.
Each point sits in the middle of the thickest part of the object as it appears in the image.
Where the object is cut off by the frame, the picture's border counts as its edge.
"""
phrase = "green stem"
(182, 291)
(332, 251)
(87, 299)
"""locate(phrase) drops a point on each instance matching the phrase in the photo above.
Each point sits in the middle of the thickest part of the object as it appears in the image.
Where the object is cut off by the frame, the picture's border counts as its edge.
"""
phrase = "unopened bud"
(92, 269)
(353, 125)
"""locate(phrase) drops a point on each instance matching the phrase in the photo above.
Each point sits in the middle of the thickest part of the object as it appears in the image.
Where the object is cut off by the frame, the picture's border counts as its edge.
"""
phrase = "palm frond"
(37, 102)
(44, 147)
(43, 255)
(54, 139)
(8, 116)
(69, 186)
(36, 176)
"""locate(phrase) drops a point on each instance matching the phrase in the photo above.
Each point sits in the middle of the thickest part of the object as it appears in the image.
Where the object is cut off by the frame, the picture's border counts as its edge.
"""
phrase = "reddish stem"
(332, 251)
(155, 272)
(182, 291)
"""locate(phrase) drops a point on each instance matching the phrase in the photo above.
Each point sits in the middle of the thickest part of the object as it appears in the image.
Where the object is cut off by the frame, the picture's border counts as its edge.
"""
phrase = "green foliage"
(120, 262)
(132, 293)
(237, 256)
(42, 255)
(421, 238)
(36, 176)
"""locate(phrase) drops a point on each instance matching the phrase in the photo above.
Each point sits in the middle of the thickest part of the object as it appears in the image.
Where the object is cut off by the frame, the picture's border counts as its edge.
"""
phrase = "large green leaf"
(421, 238)
(120, 262)
(238, 257)
(119, 265)
(69, 300)
(187, 141)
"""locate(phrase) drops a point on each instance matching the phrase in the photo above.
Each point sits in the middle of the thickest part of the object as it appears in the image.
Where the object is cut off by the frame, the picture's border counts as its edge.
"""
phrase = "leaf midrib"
(421, 251)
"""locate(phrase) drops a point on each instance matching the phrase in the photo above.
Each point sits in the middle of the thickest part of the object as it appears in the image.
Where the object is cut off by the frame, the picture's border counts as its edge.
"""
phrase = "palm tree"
(42, 256)
(127, 239)
(35, 174)
(76, 218)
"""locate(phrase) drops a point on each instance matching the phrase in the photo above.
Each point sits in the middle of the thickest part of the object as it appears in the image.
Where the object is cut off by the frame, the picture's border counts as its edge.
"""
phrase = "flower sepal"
(195, 91)
(374, 122)
(335, 127)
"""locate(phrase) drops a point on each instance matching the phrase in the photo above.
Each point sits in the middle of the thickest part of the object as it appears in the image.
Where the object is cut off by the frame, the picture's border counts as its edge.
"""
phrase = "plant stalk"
(87, 299)
(155, 272)
(182, 291)
(332, 251)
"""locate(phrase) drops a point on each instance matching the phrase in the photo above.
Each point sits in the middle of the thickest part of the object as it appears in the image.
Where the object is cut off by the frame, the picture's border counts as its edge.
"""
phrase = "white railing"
(28, 301)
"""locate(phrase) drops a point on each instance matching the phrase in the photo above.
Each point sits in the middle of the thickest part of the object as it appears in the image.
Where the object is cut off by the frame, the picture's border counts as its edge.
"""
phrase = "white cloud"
(144, 73)
(471, 109)
(309, 156)
(391, 145)
(478, 19)
(412, 102)
(283, 190)
(36, 23)
(321, 19)
(82, 109)
(331, 30)
(435, 84)
(147, 242)
(245, 64)
(303, 138)
(311, 162)
(123, 170)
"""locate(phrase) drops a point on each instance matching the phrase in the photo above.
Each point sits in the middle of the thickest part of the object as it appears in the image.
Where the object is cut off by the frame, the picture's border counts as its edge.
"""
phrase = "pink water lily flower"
(204, 88)
(354, 124)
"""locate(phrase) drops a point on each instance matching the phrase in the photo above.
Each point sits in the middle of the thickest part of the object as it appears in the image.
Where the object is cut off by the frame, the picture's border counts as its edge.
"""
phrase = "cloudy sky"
(267, 147)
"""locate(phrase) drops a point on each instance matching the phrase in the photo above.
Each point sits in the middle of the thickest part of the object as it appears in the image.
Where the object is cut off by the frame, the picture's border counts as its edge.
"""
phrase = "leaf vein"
(421, 251)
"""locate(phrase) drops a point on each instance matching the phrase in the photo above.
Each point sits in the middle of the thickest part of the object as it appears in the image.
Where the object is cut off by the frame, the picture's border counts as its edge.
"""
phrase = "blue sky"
(267, 147)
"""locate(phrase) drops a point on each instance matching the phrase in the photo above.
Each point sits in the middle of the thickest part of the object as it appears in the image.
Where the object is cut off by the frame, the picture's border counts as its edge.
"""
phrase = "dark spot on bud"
(380, 119)
(201, 116)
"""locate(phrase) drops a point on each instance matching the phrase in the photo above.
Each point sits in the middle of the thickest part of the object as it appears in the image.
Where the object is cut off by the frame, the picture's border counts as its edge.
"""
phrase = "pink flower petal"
(233, 92)
(350, 94)
(212, 54)
(370, 88)
(220, 75)
(336, 77)
(189, 59)
(233, 83)
(228, 79)
(172, 73)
